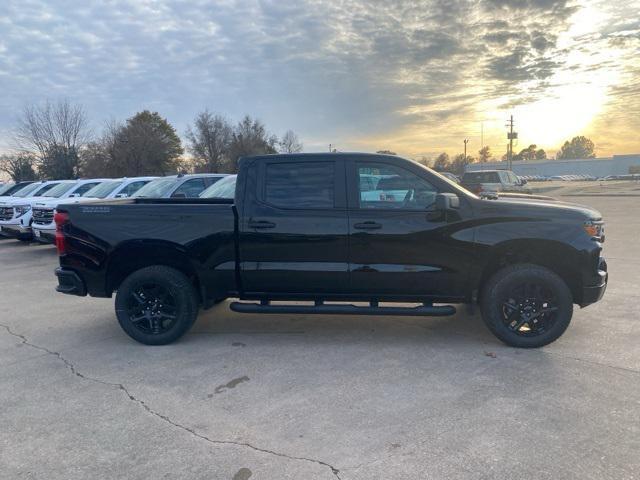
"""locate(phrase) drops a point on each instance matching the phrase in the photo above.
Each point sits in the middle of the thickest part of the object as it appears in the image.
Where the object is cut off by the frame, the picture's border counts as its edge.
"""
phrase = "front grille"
(42, 216)
(6, 213)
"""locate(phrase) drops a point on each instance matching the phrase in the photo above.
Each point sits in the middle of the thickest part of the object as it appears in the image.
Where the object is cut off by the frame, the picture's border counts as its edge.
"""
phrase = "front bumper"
(70, 283)
(15, 230)
(44, 236)
(594, 293)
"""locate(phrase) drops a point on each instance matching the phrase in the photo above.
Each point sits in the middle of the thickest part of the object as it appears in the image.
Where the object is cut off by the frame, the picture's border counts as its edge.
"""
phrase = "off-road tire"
(510, 277)
(183, 295)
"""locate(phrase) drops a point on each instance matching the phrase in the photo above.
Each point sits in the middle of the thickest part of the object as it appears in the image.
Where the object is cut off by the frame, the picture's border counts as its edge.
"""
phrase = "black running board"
(323, 309)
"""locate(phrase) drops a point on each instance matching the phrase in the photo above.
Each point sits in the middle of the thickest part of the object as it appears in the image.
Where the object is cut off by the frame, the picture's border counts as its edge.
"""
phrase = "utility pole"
(511, 135)
(466, 140)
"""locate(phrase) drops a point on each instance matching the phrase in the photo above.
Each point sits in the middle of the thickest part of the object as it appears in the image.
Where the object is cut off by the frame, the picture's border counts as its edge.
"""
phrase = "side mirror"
(74, 195)
(447, 201)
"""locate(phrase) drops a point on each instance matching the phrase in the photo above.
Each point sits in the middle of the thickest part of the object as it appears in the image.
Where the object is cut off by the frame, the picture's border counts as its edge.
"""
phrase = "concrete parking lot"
(274, 397)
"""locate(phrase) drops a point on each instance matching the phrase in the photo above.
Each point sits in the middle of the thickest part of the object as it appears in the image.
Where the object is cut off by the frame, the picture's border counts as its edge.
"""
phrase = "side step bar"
(319, 308)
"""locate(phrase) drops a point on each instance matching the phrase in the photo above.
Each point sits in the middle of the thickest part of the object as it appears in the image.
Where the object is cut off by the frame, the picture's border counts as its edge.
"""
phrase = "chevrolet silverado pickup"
(304, 235)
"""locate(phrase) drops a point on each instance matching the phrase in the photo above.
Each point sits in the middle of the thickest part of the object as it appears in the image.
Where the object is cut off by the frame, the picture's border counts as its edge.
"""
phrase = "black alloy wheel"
(156, 305)
(526, 305)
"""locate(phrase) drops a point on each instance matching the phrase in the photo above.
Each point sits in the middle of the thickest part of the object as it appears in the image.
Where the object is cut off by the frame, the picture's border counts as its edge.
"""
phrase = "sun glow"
(577, 92)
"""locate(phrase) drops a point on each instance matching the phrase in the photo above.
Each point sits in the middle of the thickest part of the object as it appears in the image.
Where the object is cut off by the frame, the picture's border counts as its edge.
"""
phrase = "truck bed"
(106, 240)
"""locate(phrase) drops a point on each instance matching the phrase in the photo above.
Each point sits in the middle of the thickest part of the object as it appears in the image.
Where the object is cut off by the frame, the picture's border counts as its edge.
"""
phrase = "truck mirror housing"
(447, 201)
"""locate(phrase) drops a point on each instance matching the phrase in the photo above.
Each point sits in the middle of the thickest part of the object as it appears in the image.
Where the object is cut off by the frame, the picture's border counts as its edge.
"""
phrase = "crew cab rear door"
(400, 245)
(293, 228)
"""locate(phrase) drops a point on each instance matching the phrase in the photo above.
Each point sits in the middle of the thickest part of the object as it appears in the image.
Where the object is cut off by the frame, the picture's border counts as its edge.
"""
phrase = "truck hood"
(10, 201)
(54, 202)
(541, 208)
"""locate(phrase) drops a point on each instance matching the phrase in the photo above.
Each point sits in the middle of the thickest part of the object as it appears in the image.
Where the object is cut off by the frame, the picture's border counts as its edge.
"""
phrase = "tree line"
(54, 141)
(576, 148)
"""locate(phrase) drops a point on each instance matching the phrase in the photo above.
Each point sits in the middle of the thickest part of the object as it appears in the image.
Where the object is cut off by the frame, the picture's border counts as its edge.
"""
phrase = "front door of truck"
(400, 245)
(293, 232)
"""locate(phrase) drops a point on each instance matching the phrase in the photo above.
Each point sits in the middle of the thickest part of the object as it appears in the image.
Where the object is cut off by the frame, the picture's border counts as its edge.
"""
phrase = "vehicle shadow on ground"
(467, 327)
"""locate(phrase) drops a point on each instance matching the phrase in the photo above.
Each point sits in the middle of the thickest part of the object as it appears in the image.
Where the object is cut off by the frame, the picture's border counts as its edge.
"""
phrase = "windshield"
(4, 188)
(225, 188)
(60, 189)
(26, 191)
(102, 190)
(157, 188)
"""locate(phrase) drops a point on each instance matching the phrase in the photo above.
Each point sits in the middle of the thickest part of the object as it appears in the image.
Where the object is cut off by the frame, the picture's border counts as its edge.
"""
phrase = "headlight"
(595, 229)
(21, 209)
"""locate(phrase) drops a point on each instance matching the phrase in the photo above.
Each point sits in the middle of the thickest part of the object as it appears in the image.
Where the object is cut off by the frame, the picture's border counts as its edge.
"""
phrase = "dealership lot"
(263, 397)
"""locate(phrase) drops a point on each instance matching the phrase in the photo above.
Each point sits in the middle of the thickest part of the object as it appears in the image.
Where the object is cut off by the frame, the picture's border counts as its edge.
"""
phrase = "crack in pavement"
(335, 471)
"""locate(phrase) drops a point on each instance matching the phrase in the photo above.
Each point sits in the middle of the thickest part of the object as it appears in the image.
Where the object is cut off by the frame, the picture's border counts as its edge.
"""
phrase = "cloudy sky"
(416, 77)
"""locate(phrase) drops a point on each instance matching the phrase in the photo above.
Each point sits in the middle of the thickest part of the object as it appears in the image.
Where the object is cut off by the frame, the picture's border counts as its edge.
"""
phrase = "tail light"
(61, 219)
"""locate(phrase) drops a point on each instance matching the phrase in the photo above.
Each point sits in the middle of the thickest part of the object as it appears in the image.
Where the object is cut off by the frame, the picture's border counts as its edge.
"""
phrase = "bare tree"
(209, 141)
(290, 143)
(54, 133)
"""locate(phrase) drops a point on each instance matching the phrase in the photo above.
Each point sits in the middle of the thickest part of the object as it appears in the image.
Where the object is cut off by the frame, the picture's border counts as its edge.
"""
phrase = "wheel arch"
(135, 255)
(558, 257)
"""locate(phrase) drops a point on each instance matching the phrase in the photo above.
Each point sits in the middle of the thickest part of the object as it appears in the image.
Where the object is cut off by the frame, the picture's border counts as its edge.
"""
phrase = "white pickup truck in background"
(44, 227)
(16, 212)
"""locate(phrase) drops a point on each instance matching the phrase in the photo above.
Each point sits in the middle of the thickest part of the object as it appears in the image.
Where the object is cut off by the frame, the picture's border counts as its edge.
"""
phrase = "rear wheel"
(156, 305)
(527, 305)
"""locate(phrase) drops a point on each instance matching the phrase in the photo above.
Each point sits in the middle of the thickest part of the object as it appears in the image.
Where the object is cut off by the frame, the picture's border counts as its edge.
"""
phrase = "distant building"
(598, 167)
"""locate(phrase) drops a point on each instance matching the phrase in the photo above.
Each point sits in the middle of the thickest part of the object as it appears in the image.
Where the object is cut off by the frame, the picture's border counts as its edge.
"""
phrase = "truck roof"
(334, 155)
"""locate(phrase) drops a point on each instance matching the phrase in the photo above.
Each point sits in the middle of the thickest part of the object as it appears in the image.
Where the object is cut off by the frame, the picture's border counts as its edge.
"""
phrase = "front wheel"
(526, 305)
(156, 305)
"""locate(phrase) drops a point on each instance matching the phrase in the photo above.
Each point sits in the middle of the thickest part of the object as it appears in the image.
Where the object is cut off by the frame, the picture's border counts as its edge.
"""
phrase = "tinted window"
(397, 188)
(102, 190)
(133, 187)
(58, 190)
(44, 190)
(29, 189)
(82, 189)
(225, 188)
(157, 188)
(190, 188)
(300, 185)
(481, 177)
(6, 188)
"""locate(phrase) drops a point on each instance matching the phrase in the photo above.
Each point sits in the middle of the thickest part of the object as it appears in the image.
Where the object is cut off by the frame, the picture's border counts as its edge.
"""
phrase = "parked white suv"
(179, 186)
(44, 227)
(16, 212)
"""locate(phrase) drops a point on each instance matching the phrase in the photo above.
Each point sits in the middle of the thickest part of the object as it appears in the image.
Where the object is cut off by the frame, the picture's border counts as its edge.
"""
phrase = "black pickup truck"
(335, 234)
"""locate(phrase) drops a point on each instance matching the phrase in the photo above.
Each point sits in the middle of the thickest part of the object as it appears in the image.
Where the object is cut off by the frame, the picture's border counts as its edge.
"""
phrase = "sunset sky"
(416, 77)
